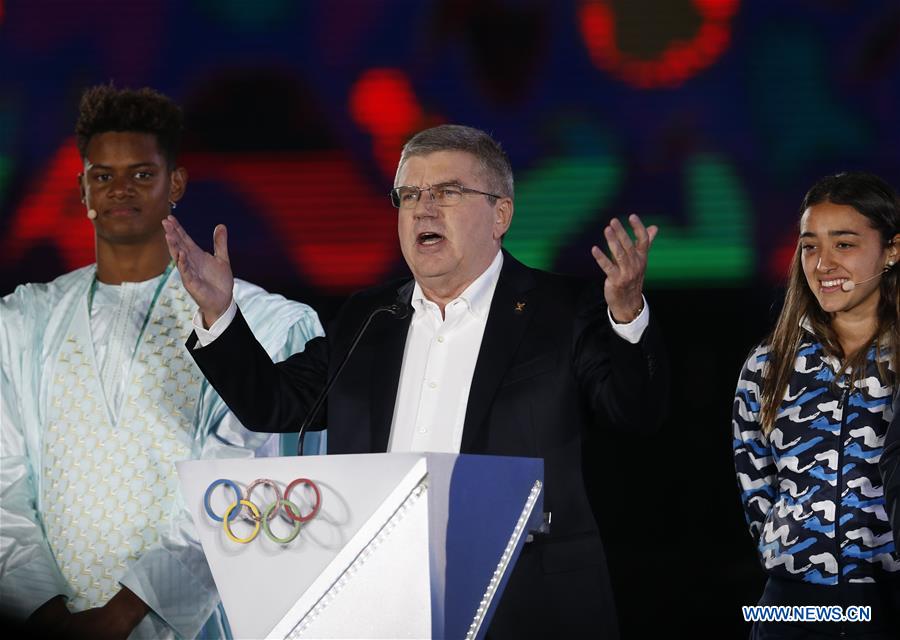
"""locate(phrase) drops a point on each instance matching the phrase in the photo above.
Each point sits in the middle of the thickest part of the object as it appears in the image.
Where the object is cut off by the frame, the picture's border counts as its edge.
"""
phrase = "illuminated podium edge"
(479, 512)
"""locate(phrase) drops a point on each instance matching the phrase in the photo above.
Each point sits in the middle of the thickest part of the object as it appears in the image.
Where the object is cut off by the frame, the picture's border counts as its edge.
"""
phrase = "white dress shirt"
(438, 362)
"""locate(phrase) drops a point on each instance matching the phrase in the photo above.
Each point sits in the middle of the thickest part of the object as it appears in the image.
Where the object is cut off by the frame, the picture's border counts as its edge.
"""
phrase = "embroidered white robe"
(89, 498)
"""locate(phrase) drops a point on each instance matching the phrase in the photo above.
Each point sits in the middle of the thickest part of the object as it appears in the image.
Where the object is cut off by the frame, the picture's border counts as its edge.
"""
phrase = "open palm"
(207, 277)
(625, 267)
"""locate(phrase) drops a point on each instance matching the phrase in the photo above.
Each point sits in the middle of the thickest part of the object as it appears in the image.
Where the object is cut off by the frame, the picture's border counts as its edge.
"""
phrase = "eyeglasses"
(443, 195)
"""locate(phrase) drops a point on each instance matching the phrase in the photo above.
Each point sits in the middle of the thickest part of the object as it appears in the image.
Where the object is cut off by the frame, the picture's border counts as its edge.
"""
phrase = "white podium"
(416, 545)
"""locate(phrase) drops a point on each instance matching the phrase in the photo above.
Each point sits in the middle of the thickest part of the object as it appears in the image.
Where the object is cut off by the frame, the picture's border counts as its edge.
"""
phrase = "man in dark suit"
(495, 358)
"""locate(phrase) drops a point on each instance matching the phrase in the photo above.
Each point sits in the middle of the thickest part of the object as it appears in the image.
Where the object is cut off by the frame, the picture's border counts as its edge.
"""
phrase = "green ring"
(265, 522)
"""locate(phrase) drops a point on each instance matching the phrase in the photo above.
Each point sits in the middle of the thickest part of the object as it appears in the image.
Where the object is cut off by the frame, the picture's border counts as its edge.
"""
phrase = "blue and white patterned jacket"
(811, 489)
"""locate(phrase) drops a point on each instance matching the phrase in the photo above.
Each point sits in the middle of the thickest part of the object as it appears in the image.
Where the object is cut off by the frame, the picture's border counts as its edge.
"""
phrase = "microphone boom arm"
(399, 310)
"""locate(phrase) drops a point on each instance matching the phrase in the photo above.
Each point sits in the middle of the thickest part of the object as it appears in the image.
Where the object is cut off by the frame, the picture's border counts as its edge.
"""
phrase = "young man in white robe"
(100, 400)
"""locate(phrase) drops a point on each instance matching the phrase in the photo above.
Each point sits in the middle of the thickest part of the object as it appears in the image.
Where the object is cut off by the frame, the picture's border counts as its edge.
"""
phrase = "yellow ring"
(225, 523)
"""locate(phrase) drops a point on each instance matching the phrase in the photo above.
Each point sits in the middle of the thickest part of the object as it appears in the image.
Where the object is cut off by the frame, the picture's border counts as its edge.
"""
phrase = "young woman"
(811, 411)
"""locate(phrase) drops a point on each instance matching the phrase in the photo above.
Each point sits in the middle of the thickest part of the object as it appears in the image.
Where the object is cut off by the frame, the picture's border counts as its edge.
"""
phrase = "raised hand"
(625, 267)
(206, 277)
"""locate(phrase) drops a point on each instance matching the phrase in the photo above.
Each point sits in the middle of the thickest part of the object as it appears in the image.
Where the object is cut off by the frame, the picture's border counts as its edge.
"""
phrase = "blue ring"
(209, 490)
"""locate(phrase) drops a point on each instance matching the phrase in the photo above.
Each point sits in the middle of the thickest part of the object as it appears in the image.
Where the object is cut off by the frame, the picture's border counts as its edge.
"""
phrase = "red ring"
(315, 509)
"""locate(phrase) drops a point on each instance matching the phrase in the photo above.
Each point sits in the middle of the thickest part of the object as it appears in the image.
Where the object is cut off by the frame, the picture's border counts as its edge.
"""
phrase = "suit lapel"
(391, 343)
(509, 315)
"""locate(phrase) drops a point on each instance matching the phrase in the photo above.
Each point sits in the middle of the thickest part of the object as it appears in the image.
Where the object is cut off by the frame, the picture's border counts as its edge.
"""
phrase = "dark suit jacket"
(890, 472)
(549, 369)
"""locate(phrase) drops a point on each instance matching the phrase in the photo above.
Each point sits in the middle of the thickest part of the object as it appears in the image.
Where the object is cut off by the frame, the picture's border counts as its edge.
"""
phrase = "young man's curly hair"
(105, 108)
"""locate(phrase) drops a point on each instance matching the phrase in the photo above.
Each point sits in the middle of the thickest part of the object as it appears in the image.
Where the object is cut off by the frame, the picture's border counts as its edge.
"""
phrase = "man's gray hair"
(455, 137)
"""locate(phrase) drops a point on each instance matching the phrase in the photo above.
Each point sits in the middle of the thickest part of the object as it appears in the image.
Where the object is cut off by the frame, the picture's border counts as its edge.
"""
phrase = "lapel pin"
(520, 307)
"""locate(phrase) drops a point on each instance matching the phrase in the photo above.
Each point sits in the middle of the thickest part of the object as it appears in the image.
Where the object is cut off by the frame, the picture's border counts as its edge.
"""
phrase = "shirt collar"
(883, 344)
(477, 296)
(806, 324)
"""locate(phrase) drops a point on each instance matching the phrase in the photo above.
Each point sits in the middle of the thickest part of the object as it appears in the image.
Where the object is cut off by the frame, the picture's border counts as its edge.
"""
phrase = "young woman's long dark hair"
(877, 201)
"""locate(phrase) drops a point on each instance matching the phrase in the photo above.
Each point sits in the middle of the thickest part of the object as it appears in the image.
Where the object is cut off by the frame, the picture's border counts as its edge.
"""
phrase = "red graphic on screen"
(679, 59)
(339, 232)
(52, 213)
(382, 102)
(780, 259)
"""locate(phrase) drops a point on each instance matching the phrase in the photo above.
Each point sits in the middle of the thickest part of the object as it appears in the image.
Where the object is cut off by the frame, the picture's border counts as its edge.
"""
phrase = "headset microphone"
(850, 285)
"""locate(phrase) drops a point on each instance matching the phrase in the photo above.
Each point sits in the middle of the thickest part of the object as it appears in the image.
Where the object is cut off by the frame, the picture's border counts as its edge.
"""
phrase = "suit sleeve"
(753, 461)
(890, 472)
(627, 383)
(264, 396)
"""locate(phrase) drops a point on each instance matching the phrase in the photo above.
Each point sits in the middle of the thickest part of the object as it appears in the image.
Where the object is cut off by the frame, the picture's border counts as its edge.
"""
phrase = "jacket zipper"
(837, 505)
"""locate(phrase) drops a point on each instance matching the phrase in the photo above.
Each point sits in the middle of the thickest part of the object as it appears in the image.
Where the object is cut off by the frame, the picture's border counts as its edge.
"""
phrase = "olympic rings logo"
(247, 509)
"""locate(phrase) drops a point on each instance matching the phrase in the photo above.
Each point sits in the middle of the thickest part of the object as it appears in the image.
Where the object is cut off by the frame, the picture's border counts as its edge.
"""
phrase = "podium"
(403, 545)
